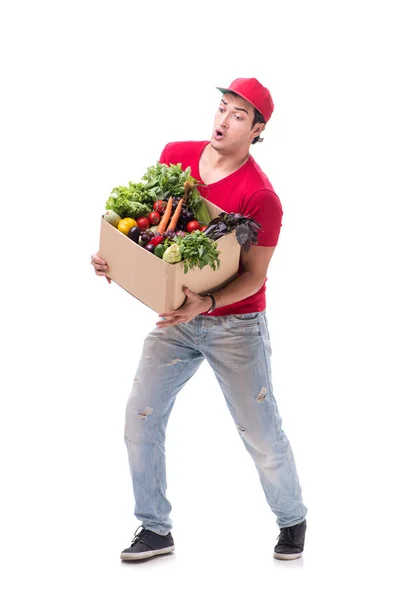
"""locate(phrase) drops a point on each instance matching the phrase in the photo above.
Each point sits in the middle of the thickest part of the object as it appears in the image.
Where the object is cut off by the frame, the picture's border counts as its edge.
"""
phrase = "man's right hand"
(100, 266)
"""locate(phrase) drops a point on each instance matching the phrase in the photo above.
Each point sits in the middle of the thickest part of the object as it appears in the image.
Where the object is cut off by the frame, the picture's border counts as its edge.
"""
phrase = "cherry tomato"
(154, 218)
(159, 206)
(192, 226)
(203, 227)
(143, 223)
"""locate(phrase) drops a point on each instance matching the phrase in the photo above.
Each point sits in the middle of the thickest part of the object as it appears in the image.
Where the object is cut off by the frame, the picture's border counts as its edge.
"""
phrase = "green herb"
(198, 250)
(163, 181)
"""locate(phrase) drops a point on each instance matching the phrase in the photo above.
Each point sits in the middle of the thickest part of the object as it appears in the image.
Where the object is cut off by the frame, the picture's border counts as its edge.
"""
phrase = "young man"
(229, 329)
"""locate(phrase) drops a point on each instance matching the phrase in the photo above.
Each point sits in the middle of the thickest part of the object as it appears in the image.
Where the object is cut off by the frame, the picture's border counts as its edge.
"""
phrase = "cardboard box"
(157, 283)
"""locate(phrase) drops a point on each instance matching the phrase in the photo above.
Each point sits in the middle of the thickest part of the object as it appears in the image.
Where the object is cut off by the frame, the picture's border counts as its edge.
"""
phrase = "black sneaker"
(291, 542)
(147, 543)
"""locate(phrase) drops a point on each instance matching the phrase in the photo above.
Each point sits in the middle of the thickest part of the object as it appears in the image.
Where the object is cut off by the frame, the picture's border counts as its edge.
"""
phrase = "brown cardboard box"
(157, 283)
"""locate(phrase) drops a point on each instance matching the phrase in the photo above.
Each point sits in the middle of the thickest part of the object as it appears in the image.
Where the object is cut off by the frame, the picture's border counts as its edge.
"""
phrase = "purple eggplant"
(133, 234)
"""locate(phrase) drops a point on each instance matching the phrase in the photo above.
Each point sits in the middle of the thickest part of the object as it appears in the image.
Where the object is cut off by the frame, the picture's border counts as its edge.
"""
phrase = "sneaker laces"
(140, 537)
(288, 536)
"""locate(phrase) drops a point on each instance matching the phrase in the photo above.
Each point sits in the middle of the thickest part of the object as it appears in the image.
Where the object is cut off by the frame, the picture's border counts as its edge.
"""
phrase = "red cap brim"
(226, 91)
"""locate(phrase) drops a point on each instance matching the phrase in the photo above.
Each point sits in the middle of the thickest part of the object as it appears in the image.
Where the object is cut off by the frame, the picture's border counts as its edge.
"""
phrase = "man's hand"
(100, 266)
(194, 305)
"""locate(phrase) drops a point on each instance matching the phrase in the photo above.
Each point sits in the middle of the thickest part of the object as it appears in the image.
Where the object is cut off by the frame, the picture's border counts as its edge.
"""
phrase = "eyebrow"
(235, 107)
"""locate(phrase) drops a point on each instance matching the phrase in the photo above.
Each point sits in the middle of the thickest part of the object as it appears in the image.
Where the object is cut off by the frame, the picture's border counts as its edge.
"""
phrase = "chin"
(217, 146)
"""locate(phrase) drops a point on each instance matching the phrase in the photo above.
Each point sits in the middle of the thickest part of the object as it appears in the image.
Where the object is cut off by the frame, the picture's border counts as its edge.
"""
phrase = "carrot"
(174, 221)
(166, 217)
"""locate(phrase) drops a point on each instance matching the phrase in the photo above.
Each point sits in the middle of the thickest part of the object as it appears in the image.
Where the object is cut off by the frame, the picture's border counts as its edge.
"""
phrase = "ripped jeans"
(238, 349)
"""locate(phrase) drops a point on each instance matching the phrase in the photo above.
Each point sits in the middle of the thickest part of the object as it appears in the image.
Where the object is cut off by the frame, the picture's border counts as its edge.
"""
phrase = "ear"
(258, 129)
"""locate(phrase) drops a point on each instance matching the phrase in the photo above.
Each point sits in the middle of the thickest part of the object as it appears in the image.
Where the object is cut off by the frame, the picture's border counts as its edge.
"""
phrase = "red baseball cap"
(255, 93)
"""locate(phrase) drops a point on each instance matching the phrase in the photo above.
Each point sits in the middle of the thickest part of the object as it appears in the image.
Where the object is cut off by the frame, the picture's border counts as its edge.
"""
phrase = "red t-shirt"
(247, 191)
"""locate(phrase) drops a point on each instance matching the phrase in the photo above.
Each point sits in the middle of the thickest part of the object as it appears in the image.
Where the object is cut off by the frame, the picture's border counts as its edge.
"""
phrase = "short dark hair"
(258, 118)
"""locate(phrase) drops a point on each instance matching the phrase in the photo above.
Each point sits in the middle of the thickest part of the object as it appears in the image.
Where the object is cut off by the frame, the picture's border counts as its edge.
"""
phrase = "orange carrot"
(166, 217)
(174, 220)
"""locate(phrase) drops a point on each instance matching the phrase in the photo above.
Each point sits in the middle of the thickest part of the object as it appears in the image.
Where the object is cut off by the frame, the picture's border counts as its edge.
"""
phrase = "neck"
(229, 162)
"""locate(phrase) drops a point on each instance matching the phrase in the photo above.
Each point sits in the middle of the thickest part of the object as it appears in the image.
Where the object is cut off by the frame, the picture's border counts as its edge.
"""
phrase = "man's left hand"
(194, 305)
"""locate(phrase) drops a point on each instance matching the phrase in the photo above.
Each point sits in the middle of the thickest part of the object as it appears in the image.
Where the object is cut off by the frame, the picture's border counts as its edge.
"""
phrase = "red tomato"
(157, 239)
(159, 206)
(154, 218)
(203, 227)
(192, 226)
(143, 223)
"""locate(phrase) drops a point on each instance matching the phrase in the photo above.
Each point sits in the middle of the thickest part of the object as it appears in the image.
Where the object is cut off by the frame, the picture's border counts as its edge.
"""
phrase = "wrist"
(210, 302)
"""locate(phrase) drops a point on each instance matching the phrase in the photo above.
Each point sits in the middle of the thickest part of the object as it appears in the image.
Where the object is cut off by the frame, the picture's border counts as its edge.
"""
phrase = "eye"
(221, 109)
(238, 118)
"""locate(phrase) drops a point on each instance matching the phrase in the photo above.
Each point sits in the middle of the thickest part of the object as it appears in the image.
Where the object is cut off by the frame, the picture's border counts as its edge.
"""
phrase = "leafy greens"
(159, 182)
(197, 250)
(246, 228)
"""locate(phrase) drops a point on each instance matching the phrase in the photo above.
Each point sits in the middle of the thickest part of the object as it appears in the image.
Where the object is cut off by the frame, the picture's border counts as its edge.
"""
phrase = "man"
(229, 329)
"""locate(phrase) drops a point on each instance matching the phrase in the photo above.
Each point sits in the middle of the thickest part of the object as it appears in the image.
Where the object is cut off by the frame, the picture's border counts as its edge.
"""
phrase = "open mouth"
(218, 134)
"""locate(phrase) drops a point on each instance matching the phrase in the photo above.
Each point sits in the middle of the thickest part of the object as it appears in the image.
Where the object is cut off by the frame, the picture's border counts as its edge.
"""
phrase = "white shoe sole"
(286, 556)
(148, 554)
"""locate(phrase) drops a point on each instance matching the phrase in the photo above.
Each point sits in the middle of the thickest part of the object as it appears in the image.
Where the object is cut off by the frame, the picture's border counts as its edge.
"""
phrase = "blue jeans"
(238, 349)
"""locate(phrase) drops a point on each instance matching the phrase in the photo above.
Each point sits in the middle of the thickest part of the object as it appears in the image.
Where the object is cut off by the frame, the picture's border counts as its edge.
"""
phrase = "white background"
(91, 92)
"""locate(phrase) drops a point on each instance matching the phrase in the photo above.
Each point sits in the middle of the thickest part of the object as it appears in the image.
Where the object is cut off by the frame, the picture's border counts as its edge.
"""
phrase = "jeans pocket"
(244, 318)
(242, 324)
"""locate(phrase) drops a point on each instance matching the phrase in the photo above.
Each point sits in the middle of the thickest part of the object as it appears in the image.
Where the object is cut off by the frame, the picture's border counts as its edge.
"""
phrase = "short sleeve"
(265, 207)
(163, 158)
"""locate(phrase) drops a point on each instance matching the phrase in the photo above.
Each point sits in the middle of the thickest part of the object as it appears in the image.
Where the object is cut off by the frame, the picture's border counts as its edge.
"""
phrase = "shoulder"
(257, 179)
(261, 202)
(258, 189)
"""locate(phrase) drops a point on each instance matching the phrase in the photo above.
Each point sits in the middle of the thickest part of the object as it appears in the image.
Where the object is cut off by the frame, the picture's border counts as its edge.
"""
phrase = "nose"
(223, 121)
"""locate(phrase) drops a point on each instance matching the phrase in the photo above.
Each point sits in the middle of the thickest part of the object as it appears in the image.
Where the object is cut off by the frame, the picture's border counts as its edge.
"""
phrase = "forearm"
(244, 286)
